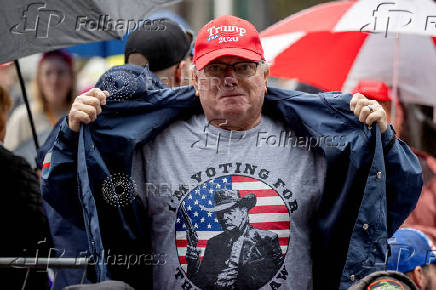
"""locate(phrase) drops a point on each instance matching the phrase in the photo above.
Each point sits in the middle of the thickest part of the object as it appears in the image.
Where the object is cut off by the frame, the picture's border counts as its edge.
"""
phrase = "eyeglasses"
(241, 69)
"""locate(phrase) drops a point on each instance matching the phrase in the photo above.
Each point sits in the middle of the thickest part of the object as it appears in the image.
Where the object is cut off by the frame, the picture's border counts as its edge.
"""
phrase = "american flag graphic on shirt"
(270, 212)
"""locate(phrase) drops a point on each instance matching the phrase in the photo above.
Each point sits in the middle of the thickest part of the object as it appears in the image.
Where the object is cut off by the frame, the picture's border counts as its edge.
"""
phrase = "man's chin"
(233, 112)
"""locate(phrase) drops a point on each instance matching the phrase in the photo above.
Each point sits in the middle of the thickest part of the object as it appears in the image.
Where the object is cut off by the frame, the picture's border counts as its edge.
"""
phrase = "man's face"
(233, 218)
(238, 100)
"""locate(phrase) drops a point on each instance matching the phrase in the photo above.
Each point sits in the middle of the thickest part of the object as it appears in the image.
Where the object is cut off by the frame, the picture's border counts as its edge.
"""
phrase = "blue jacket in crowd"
(371, 184)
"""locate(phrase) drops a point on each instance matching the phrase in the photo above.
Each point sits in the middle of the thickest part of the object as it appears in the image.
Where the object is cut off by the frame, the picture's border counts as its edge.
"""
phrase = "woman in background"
(55, 83)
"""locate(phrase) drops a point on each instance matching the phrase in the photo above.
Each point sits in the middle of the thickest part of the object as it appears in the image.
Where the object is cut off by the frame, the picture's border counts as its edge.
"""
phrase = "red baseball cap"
(6, 64)
(227, 35)
(65, 56)
(374, 90)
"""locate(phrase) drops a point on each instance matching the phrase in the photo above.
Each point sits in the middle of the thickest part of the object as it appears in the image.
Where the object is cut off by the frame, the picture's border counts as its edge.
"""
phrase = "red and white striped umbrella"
(334, 45)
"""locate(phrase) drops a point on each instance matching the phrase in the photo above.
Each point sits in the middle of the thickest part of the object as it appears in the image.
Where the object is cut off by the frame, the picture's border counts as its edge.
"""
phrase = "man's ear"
(418, 276)
(178, 73)
(195, 81)
(266, 75)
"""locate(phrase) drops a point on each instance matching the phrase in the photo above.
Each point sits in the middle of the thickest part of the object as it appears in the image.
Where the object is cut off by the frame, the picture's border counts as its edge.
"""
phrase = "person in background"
(5, 105)
(424, 216)
(55, 83)
(168, 54)
(24, 226)
(413, 254)
(166, 50)
(9, 81)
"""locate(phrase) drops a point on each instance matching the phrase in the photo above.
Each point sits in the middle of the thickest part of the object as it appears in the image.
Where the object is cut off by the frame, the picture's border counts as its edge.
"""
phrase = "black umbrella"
(33, 27)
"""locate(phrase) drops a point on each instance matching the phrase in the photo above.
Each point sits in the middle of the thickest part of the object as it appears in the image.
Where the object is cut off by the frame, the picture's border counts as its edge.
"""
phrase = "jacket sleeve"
(403, 170)
(59, 182)
(403, 180)
(61, 202)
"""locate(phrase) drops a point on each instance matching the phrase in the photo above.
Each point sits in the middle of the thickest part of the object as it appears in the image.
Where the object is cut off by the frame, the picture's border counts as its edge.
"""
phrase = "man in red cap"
(326, 206)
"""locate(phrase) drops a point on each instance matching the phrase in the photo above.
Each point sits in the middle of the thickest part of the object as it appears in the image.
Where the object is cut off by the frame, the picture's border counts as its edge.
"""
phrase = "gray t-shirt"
(182, 177)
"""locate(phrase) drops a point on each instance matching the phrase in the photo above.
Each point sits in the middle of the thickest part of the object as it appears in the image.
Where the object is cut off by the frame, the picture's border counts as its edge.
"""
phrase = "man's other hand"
(369, 111)
(86, 108)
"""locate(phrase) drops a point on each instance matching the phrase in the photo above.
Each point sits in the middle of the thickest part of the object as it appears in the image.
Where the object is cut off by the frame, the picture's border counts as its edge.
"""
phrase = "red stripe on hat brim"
(6, 64)
(203, 60)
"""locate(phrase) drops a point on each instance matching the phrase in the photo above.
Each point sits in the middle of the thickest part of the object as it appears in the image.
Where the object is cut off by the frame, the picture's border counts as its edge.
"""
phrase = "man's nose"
(230, 77)
(230, 81)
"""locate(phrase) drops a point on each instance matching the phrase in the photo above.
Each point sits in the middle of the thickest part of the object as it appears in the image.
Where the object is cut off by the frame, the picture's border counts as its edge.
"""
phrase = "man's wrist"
(67, 135)
(388, 138)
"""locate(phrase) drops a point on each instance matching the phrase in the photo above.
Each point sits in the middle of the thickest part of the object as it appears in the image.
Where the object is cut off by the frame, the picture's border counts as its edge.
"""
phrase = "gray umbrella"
(31, 26)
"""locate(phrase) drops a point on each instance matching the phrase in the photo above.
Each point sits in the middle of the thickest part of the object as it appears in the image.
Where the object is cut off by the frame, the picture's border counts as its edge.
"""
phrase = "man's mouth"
(231, 96)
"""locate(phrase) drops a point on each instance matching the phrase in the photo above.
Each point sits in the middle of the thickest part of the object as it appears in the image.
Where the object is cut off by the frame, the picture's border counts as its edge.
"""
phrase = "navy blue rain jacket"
(369, 190)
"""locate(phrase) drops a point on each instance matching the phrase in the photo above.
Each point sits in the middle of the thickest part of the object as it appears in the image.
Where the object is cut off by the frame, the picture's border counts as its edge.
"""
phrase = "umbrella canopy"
(334, 45)
(32, 27)
(116, 46)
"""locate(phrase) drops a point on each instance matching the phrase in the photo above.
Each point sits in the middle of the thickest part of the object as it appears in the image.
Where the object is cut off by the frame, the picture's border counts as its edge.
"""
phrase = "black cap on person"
(163, 42)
